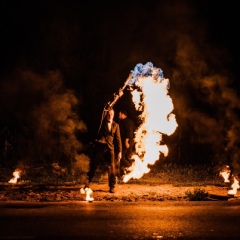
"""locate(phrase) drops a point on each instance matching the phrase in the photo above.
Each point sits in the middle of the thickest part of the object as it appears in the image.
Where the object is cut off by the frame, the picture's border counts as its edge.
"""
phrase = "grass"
(177, 175)
(198, 194)
(193, 176)
(187, 175)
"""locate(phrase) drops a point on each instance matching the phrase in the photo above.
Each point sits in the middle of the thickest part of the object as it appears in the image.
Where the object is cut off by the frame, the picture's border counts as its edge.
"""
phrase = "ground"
(124, 192)
(171, 184)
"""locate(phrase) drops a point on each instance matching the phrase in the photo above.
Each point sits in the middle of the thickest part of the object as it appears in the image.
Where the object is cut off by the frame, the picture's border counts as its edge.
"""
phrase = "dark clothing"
(127, 128)
(108, 143)
(110, 137)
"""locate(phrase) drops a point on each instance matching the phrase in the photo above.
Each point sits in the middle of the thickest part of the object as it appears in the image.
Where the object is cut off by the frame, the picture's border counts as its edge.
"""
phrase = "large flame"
(150, 96)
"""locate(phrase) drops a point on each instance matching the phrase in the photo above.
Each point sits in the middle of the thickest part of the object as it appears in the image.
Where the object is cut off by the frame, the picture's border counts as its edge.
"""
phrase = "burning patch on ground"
(226, 174)
(16, 176)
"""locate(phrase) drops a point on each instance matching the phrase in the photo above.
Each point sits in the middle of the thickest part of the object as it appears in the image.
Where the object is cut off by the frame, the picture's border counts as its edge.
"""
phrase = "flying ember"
(149, 91)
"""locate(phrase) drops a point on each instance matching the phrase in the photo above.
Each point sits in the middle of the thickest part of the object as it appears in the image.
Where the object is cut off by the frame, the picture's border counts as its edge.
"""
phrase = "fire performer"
(105, 148)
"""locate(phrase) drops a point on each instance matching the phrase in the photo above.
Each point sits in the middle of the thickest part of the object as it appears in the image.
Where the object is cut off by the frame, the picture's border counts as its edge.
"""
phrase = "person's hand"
(127, 143)
(119, 156)
(120, 92)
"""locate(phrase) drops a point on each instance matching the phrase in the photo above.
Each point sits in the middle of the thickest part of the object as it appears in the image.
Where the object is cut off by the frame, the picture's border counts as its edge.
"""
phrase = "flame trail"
(150, 96)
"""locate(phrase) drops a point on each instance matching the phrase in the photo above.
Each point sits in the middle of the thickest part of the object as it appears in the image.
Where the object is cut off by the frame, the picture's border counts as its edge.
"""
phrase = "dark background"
(62, 61)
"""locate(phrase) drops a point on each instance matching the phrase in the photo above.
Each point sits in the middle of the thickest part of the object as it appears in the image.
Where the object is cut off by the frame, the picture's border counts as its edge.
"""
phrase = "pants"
(102, 152)
(126, 160)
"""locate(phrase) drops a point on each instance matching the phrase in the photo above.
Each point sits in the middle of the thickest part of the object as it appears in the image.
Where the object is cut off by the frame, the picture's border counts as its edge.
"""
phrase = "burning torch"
(116, 95)
(119, 94)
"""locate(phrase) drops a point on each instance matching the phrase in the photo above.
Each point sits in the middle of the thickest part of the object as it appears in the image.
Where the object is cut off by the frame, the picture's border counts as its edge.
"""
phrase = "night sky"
(62, 61)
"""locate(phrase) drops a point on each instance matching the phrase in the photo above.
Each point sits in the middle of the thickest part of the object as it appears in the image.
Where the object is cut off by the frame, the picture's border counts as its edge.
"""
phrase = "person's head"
(110, 114)
(122, 114)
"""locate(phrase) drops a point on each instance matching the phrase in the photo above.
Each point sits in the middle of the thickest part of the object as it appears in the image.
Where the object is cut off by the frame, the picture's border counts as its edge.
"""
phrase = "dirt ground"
(100, 192)
(166, 192)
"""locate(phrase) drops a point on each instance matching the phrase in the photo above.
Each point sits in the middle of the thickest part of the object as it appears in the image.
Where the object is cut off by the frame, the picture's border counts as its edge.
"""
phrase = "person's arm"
(119, 156)
(127, 142)
(129, 132)
(119, 143)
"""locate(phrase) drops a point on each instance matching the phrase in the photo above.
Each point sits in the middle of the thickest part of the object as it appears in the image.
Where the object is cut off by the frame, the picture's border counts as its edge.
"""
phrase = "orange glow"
(152, 99)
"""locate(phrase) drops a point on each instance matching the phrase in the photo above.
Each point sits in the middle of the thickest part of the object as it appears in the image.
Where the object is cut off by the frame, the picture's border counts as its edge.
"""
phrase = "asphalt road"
(120, 220)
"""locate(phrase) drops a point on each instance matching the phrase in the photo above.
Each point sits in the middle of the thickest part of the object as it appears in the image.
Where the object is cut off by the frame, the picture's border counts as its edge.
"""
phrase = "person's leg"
(129, 153)
(111, 171)
(118, 167)
(94, 162)
(122, 162)
(126, 160)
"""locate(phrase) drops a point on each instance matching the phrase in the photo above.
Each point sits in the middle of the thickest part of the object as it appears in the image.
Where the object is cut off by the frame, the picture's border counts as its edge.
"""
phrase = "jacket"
(112, 138)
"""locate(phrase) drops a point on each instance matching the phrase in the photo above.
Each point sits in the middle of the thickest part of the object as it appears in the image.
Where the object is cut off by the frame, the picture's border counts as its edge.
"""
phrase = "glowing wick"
(234, 187)
(88, 191)
(16, 175)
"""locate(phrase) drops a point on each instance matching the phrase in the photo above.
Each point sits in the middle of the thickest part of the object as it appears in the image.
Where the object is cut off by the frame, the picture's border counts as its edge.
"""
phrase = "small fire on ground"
(88, 192)
(16, 176)
(225, 173)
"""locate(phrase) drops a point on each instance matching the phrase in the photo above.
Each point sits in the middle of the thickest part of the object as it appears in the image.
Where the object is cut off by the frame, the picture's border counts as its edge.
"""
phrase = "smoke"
(208, 101)
(47, 115)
